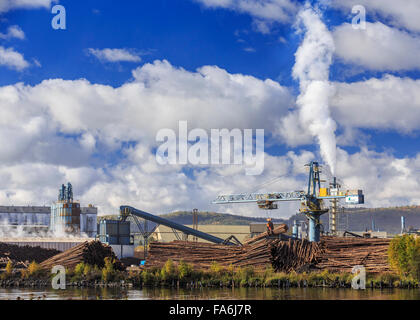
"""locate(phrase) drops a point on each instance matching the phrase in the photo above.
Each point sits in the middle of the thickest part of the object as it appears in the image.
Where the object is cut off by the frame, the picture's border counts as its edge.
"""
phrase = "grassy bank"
(184, 275)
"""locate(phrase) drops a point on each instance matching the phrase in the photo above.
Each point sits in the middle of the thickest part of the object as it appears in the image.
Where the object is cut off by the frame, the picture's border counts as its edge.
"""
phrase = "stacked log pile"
(21, 256)
(88, 252)
(200, 255)
(257, 252)
(342, 254)
(294, 255)
(278, 230)
(332, 253)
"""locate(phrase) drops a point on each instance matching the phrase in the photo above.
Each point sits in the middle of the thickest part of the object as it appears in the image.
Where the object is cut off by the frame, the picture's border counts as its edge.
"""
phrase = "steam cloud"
(313, 61)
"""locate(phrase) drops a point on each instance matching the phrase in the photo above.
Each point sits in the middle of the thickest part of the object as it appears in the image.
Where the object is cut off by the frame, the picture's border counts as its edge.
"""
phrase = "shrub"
(9, 267)
(87, 270)
(215, 268)
(108, 272)
(404, 255)
(168, 271)
(184, 270)
(33, 269)
(78, 270)
(148, 277)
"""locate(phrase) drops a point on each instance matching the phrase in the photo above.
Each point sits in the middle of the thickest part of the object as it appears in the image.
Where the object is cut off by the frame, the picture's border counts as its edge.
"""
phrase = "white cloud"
(53, 132)
(61, 126)
(7, 5)
(401, 13)
(264, 13)
(13, 32)
(114, 55)
(12, 59)
(386, 103)
(379, 47)
(249, 49)
(386, 180)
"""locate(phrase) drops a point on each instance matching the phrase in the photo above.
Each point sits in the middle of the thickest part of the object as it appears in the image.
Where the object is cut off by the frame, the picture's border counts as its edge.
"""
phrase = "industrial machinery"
(126, 211)
(312, 201)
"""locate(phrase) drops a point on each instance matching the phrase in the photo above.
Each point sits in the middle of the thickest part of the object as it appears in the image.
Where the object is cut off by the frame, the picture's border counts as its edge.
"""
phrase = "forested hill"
(185, 217)
(360, 219)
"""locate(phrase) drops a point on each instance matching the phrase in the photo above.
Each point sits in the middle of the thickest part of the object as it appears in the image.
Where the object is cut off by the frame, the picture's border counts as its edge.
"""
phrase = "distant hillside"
(384, 219)
(185, 217)
(360, 219)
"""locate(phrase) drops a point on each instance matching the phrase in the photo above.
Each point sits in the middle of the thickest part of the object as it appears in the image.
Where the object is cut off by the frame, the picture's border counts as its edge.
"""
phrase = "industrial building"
(65, 214)
(116, 233)
(61, 244)
(34, 219)
(241, 232)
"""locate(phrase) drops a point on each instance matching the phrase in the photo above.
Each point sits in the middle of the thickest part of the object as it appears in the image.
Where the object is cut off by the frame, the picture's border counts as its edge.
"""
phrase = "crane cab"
(355, 197)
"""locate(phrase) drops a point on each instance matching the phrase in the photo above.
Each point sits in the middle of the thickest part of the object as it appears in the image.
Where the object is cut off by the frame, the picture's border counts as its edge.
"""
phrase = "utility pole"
(334, 206)
(195, 222)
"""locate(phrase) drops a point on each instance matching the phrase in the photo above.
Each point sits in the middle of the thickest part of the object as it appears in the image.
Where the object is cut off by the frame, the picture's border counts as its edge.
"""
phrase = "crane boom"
(255, 197)
(127, 210)
(312, 201)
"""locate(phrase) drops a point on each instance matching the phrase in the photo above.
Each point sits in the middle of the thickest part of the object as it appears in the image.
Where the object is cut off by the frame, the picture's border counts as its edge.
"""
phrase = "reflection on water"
(210, 294)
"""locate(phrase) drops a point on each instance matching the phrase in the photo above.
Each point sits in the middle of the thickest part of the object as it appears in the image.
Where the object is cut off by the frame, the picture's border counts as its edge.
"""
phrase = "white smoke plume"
(20, 231)
(313, 61)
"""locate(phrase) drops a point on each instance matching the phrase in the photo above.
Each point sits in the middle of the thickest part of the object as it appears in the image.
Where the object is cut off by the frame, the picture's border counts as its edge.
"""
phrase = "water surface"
(209, 294)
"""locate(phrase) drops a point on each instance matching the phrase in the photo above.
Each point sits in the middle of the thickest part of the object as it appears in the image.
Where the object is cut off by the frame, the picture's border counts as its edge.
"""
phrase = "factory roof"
(41, 209)
(25, 209)
(42, 239)
(241, 232)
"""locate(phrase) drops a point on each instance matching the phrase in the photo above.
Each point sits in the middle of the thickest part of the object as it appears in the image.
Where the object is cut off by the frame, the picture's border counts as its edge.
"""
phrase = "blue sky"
(182, 32)
(226, 35)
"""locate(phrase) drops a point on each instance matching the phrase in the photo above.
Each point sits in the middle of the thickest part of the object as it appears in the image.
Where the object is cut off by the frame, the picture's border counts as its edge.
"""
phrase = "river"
(209, 294)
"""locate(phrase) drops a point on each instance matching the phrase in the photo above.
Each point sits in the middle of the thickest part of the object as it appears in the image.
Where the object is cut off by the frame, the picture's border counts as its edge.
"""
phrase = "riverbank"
(183, 275)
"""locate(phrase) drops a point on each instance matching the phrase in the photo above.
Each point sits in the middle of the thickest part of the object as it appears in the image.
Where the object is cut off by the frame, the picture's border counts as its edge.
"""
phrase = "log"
(88, 252)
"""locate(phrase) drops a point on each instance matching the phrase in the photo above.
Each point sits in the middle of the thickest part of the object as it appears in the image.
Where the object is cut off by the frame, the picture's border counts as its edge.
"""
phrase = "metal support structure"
(402, 224)
(295, 229)
(143, 226)
(312, 202)
(334, 207)
(195, 223)
(126, 211)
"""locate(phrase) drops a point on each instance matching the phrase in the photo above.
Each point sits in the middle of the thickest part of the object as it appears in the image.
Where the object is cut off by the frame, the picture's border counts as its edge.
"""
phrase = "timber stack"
(332, 253)
(21, 256)
(88, 252)
(256, 252)
(342, 254)
(294, 255)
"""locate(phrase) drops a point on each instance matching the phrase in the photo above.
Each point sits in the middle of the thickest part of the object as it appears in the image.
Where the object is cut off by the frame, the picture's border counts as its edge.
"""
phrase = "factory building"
(166, 234)
(35, 216)
(64, 215)
(68, 217)
(65, 212)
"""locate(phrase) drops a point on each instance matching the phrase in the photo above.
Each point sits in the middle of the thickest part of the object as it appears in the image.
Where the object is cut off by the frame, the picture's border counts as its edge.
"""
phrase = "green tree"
(78, 270)
(404, 255)
(108, 271)
(33, 269)
(9, 268)
(184, 270)
(168, 271)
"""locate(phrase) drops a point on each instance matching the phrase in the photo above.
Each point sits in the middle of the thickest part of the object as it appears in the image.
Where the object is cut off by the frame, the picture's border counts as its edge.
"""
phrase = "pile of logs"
(342, 254)
(21, 256)
(256, 252)
(200, 255)
(278, 230)
(88, 252)
(332, 253)
(294, 255)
